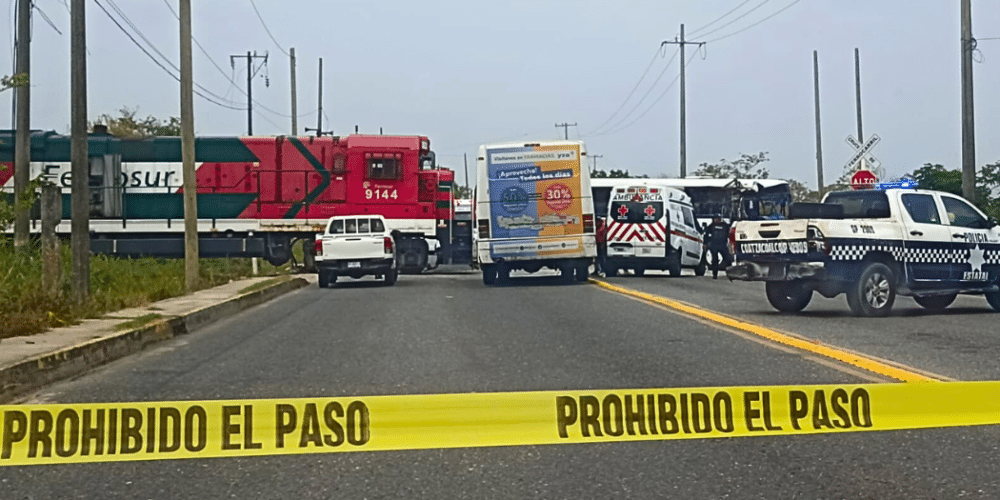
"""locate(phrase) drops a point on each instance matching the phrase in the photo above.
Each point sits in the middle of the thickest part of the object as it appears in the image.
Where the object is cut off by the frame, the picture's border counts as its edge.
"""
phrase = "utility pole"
(319, 115)
(250, 74)
(79, 154)
(968, 123)
(682, 43)
(857, 94)
(22, 141)
(565, 127)
(295, 118)
(595, 157)
(465, 159)
(191, 264)
(819, 135)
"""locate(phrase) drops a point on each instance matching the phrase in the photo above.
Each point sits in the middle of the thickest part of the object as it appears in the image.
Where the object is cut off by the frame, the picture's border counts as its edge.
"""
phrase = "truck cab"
(356, 246)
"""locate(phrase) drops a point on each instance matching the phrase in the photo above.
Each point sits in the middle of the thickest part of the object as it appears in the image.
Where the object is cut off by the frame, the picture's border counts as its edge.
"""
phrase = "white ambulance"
(652, 227)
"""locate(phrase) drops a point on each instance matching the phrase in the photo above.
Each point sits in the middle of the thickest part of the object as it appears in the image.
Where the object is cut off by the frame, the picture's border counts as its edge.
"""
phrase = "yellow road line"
(842, 356)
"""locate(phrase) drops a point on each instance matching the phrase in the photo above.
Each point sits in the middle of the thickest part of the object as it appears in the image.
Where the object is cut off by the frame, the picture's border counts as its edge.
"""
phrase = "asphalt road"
(961, 342)
(448, 333)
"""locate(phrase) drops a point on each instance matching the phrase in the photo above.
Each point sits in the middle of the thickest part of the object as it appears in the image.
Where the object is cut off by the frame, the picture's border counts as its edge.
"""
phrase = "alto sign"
(863, 179)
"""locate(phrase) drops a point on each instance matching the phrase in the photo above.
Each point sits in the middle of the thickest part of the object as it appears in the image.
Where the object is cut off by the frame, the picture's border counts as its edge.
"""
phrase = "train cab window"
(383, 168)
(337, 227)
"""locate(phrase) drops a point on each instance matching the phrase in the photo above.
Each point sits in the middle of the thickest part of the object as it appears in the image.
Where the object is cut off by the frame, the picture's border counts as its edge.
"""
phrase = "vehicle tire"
(674, 263)
(489, 274)
(639, 271)
(583, 274)
(326, 279)
(874, 293)
(700, 269)
(994, 299)
(936, 302)
(788, 296)
(390, 277)
(503, 275)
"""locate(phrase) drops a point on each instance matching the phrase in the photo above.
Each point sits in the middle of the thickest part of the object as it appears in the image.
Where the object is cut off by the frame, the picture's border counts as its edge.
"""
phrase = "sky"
(465, 73)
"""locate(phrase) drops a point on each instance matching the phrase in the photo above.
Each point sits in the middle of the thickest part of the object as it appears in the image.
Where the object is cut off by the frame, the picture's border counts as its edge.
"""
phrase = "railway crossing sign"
(863, 152)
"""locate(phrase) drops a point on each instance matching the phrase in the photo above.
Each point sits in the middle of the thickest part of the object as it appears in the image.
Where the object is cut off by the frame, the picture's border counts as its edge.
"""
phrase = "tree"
(747, 166)
(614, 174)
(129, 126)
(462, 192)
(9, 82)
(801, 193)
(938, 178)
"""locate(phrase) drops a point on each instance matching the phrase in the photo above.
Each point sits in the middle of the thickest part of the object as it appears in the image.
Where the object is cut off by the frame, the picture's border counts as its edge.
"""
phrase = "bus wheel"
(610, 271)
(489, 274)
(639, 271)
(583, 274)
(503, 275)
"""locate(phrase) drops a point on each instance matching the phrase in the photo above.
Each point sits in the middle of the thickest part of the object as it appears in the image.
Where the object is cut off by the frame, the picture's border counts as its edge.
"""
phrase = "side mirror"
(991, 223)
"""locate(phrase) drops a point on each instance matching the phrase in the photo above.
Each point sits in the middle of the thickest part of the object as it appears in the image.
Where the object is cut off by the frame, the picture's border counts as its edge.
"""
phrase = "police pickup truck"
(356, 246)
(872, 245)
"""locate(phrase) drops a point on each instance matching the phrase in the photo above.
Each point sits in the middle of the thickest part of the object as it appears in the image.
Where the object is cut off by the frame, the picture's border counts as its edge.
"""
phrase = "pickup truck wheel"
(936, 302)
(788, 296)
(326, 279)
(873, 294)
(674, 263)
(489, 274)
(994, 299)
(390, 277)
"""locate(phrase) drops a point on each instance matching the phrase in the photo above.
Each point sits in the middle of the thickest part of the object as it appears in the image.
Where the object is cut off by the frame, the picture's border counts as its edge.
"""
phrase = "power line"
(268, 30)
(651, 106)
(232, 82)
(158, 63)
(754, 24)
(745, 14)
(693, 33)
(630, 94)
(644, 96)
(45, 17)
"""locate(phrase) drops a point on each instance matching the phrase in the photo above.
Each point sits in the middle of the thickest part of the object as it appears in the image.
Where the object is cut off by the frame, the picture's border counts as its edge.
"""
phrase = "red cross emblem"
(623, 210)
(650, 210)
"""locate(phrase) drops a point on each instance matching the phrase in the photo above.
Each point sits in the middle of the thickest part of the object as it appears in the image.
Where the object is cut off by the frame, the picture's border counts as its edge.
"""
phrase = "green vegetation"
(115, 283)
(137, 322)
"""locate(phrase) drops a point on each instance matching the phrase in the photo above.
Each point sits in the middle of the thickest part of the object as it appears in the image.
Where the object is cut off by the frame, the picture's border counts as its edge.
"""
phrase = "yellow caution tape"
(75, 433)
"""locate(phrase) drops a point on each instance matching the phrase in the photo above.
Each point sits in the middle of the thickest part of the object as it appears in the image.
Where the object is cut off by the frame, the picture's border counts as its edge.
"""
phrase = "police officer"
(716, 235)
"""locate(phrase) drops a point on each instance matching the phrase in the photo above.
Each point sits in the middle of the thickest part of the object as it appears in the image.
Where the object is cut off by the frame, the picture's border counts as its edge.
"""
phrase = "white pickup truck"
(356, 246)
(872, 245)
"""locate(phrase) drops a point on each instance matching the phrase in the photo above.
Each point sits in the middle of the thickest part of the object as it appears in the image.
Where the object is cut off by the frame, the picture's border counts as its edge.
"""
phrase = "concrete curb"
(38, 371)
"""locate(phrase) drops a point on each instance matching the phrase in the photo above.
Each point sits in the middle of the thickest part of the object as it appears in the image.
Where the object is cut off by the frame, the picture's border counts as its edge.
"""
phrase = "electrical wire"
(719, 18)
(268, 30)
(158, 63)
(651, 106)
(630, 94)
(644, 96)
(229, 78)
(754, 24)
(46, 17)
(745, 14)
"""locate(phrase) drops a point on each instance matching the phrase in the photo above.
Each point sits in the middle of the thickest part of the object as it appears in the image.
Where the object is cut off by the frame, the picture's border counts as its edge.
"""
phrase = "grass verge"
(26, 307)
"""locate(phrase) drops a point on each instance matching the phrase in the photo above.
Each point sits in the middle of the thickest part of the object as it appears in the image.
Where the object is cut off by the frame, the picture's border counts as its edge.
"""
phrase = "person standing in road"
(602, 246)
(716, 235)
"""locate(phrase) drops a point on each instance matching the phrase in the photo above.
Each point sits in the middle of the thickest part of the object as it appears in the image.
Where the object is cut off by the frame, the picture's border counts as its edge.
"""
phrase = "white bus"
(533, 209)
(733, 199)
